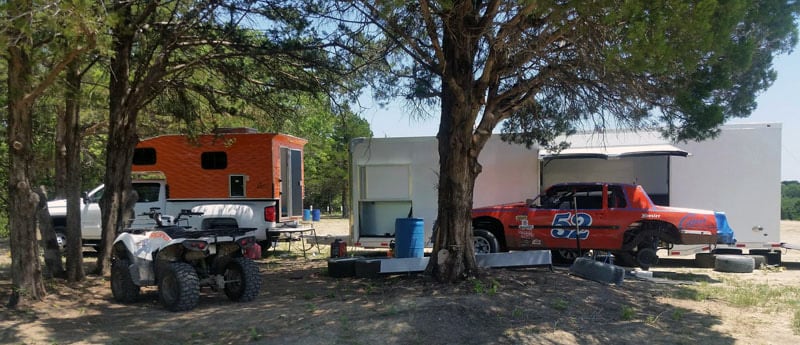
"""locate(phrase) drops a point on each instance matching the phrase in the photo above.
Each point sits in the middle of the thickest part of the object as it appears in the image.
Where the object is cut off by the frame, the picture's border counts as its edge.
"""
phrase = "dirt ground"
(300, 304)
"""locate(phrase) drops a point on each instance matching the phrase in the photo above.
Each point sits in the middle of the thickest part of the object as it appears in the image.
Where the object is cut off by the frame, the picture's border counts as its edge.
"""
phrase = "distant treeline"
(790, 200)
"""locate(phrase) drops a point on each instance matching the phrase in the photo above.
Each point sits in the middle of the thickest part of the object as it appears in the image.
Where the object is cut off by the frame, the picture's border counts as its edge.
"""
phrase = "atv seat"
(174, 231)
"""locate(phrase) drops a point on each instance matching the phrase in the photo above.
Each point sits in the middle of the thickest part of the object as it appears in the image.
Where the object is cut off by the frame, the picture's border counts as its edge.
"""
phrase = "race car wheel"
(242, 280)
(122, 286)
(646, 257)
(179, 287)
(484, 241)
(734, 264)
(565, 256)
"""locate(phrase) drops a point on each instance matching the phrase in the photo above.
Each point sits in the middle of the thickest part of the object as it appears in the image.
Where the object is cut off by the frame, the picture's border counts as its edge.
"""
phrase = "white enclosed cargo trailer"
(738, 172)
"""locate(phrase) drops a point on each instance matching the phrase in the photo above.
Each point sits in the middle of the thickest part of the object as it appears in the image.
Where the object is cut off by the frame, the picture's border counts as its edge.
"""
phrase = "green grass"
(627, 313)
(796, 322)
(742, 293)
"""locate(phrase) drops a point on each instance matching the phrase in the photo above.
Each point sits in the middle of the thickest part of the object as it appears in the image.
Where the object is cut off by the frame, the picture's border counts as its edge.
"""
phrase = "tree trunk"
(121, 137)
(72, 164)
(453, 256)
(26, 271)
(52, 254)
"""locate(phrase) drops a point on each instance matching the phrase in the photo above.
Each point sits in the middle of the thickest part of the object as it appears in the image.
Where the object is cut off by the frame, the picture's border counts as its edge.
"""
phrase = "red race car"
(614, 217)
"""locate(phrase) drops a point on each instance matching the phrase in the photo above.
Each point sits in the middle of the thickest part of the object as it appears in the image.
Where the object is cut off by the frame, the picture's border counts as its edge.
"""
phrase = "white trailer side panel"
(510, 173)
(739, 173)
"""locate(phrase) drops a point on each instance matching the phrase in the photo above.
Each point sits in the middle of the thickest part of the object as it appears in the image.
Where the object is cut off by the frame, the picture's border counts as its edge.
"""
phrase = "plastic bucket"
(409, 234)
(315, 215)
(306, 214)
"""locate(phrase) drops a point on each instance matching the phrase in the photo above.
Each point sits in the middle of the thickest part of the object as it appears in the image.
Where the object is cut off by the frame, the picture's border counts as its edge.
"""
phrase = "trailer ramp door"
(645, 165)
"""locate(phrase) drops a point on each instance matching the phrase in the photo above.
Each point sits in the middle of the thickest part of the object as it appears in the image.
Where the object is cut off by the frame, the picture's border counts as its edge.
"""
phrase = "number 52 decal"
(567, 223)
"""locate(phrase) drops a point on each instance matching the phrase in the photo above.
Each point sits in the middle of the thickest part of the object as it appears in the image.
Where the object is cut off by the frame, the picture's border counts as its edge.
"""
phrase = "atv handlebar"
(155, 214)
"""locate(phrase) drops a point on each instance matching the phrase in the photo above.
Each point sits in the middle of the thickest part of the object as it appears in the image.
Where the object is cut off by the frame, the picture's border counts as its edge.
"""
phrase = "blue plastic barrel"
(315, 215)
(409, 235)
(306, 214)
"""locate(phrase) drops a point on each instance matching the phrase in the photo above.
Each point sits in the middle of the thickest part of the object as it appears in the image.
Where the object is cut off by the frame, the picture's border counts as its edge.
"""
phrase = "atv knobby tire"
(734, 264)
(179, 287)
(122, 286)
(242, 280)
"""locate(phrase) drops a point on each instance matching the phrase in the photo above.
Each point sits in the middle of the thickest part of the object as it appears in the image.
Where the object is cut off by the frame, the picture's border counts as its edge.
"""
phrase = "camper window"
(214, 160)
(144, 156)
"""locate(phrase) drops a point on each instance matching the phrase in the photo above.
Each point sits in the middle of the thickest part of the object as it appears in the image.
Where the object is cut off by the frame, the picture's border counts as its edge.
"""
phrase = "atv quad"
(180, 260)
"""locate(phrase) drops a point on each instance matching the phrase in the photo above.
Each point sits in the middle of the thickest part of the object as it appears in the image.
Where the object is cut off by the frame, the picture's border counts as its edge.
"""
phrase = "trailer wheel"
(484, 241)
(179, 287)
(705, 260)
(734, 264)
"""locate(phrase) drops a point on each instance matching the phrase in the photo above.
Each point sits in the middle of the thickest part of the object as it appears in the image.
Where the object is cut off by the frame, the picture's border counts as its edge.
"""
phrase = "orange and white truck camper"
(231, 163)
(234, 178)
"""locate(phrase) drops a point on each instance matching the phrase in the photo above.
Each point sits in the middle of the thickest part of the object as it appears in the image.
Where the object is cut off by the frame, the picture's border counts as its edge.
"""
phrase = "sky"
(779, 104)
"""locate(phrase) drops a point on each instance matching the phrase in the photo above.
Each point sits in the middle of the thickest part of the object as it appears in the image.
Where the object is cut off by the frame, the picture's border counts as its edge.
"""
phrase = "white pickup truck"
(258, 213)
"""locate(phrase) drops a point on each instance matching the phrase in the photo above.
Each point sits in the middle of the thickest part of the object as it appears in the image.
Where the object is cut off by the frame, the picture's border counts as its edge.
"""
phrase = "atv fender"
(141, 268)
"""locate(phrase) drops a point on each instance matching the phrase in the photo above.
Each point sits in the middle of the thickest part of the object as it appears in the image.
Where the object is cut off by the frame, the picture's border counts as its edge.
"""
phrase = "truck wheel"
(734, 264)
(484, 241)
(179, 287)
(705, 260)
(61, 239)
(242, 280)
(122, 286)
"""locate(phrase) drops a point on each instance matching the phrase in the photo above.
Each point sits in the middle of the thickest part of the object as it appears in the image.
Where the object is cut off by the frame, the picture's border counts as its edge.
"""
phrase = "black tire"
(760, 261)
(600, 272)
(484, 242)
(625, 259)
(566, 256)
(734, 264)
(727, 251)
(773, 256)
(646, 257)
(178, 287)
(242, 280)
(122, 286)
(61, 238)
(705, 260)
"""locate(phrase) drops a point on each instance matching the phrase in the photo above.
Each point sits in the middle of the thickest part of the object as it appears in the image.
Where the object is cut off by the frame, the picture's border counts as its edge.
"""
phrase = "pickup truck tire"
(242, 281)
(484, 241)
(122, 286)
(179, 287)
(734, 264)
(705, 260)
(61, 238)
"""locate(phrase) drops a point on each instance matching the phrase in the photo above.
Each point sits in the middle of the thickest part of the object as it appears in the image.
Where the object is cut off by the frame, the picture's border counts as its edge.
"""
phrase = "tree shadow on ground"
(300, 304)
